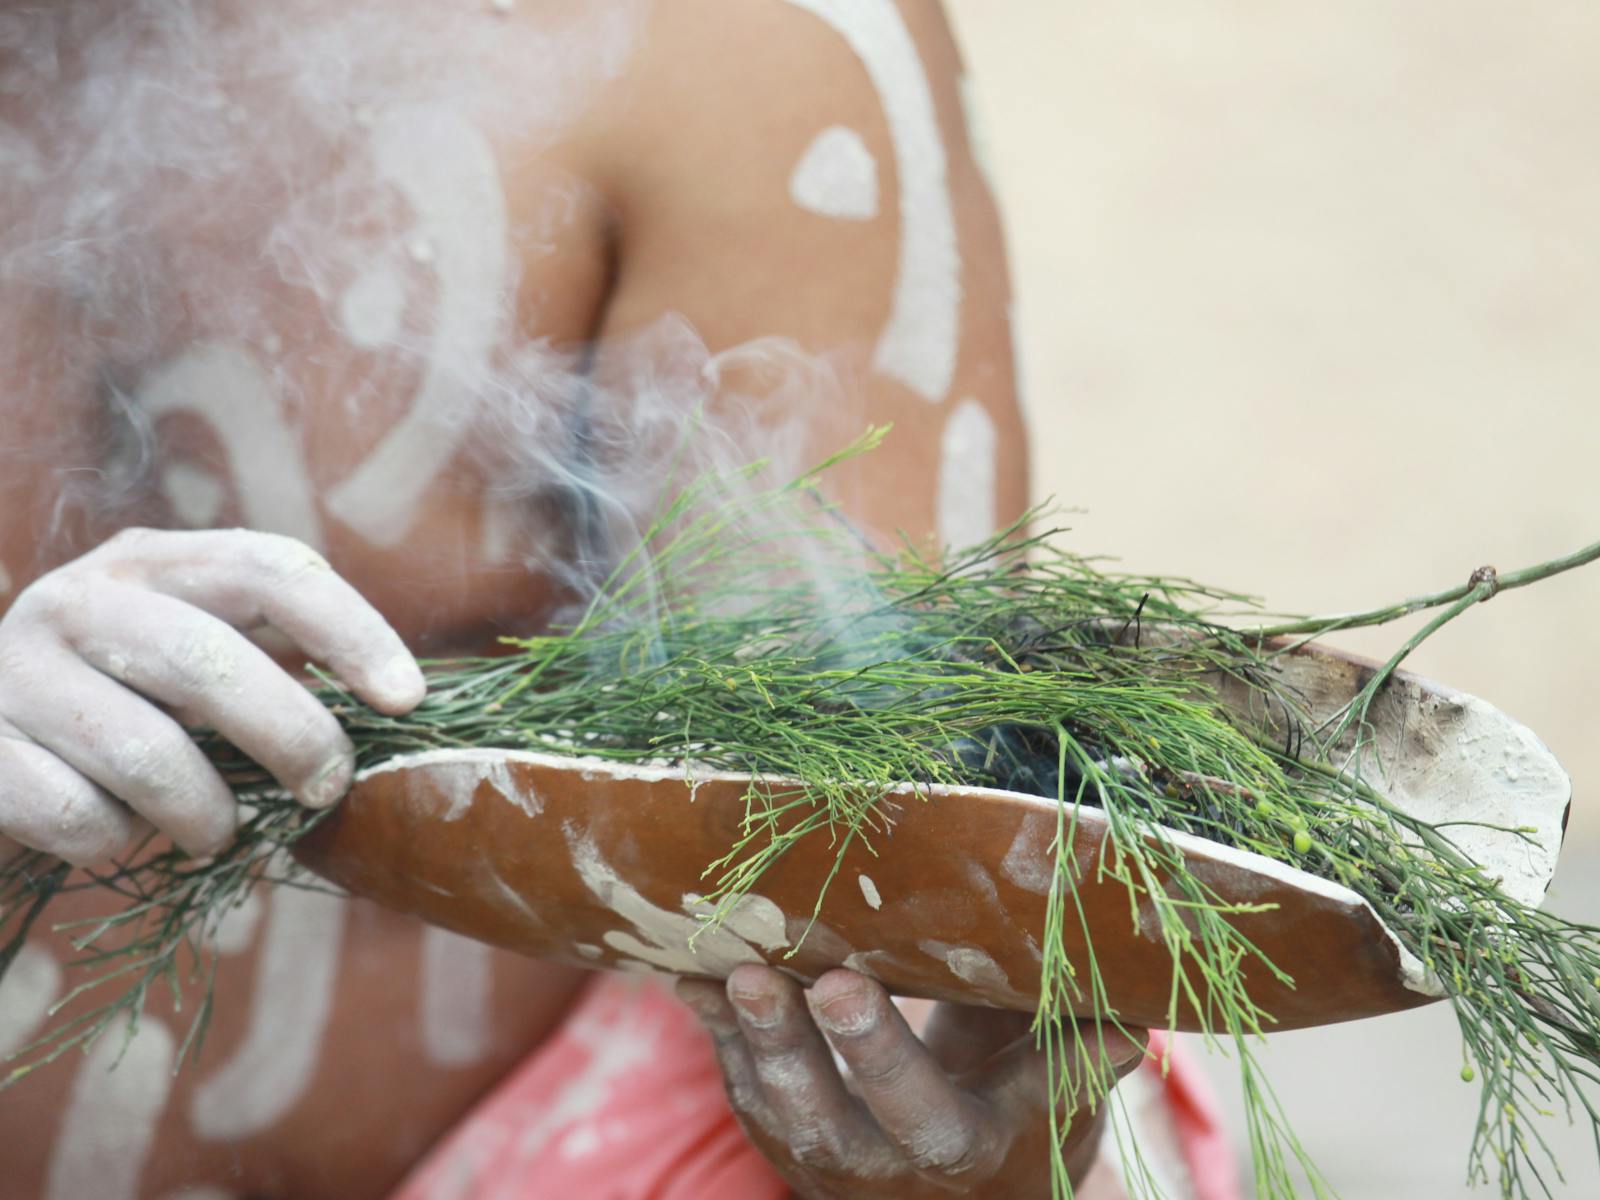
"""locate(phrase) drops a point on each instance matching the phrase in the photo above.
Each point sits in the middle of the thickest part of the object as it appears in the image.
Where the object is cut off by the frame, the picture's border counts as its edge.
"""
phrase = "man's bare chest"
(332, 336)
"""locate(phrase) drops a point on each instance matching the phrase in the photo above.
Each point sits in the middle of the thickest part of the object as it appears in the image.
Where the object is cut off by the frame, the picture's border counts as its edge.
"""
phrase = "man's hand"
(103, 661)
(962, 1112)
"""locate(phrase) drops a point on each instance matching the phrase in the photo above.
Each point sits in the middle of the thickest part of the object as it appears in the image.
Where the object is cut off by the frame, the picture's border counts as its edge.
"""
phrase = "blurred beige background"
(1309, 305)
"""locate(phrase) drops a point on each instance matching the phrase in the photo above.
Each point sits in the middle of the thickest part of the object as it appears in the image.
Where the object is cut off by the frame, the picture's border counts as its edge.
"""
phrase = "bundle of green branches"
(751, 630)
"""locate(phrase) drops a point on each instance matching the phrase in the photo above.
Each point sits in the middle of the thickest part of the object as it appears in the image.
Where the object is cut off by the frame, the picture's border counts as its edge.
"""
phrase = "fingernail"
(756, 1008)
(400, 682)
(848, 1014)
(331, 782)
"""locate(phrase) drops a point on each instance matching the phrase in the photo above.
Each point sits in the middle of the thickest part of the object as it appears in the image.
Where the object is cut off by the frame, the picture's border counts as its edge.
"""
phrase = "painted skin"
(323, 1074)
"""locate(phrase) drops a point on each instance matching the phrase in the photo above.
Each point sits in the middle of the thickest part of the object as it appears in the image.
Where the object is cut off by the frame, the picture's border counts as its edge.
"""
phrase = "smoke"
(251, 215)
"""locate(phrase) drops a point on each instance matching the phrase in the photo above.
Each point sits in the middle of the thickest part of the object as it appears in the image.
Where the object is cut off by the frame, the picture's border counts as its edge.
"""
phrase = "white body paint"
(497, 545)
(203, 1192)
(969, 453)
(195, 495)
(869, 892)
(372, 308)
(293, 999)
(445, 169)
(227, 388)
(837, 176)
(5, 580)
(977, 130)
(918, 346)
(456, 1009)
(111, 1115)
(28, 990)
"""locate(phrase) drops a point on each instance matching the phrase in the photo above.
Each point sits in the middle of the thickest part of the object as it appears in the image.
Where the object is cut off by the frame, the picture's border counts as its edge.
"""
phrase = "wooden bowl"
(600, 864)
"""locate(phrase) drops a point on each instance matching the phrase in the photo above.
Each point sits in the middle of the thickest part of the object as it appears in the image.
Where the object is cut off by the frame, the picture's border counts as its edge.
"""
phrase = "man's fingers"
(709, 1001)
(249, 579)
(1015, 1080)
(932, 1122)
(46, 805)
(824, 1127)
(206, 670)
(124, 744)
(963, 1037)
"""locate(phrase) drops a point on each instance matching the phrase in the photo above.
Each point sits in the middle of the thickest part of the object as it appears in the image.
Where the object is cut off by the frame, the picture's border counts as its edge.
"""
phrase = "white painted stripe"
(457, 998)
(919, 344)
(116, 1103)
(28, 990)
(226, 387)
(289, 1011)
(968, 476)
(445, 169)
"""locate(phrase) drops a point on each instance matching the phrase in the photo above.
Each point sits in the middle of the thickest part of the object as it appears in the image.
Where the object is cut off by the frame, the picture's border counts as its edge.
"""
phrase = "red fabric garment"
(625, 1102)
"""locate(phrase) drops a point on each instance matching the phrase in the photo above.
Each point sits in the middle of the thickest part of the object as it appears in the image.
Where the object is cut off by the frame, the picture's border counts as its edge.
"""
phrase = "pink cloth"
(625, 1102)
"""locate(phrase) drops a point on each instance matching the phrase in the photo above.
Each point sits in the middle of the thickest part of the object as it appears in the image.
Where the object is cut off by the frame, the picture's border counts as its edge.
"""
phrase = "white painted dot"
(195, 495)
(502, 6)
(420, 249)
(837, 176)
(869, 892)
(968, 465)
(371, 307)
